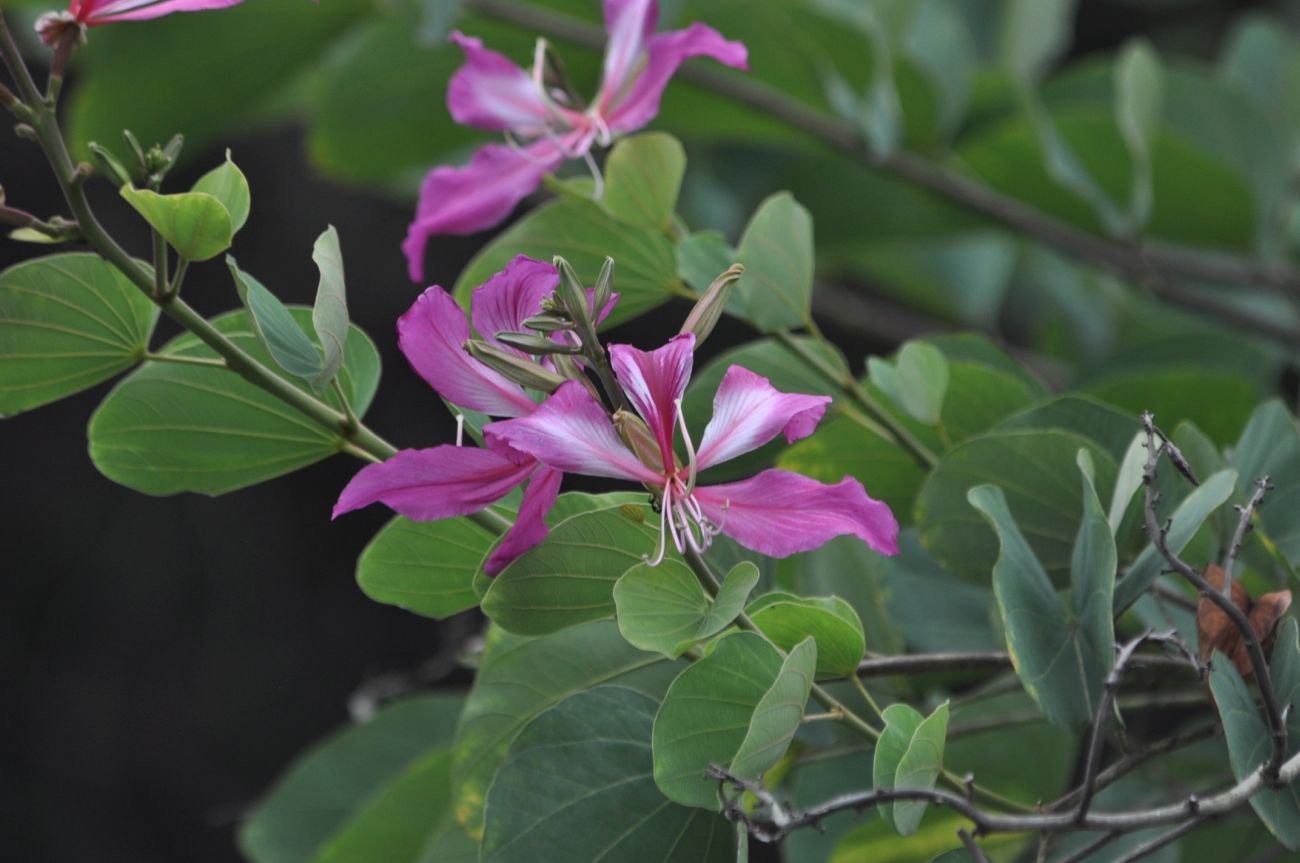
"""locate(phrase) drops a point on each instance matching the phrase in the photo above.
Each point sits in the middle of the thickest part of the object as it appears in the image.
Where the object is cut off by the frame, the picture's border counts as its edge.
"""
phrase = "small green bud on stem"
(524, 372)
(537, 345)
(116, 171)
(574, 297)
(545, 323)
(604, 286)
(708, 309)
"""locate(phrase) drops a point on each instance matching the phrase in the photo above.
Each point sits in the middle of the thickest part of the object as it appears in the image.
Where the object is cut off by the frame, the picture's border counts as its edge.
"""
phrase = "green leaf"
(788, 619)
(1187, 520)
(276, 329)
(348, 773)
(195, 224)
(1032, 33)
(426, 567)
(168, 427)
(701, 257)
(777, 251)
(1113, 430)
(1270, 446)
(1127, 481)
(1036, 470)
(909, 755)
(847, 568)
(329, 315)
(743, 699)
(67, 322)
(228, 185)
(1092, 584)
(642, 176)
(934, 608)
(1248, 736)
(520, 677)
(1139, 103)
(665, 610)
(919, 768)
(583, 233)
(569, 578)
(916, 382)
(1051, 650)
(407, 821)
(577, 785)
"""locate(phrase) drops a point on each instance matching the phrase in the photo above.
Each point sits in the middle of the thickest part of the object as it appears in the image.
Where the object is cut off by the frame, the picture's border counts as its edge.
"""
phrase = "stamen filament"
(664, 506)
(690, 449)
(460, 429)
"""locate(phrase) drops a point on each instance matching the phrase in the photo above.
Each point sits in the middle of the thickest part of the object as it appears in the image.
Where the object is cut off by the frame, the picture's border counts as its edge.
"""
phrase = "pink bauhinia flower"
(543, 129)
(776, 512)
(447, 481)
(91, 13)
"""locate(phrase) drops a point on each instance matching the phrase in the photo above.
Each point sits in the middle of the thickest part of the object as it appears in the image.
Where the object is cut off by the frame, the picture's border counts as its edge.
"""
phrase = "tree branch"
(1262, 487)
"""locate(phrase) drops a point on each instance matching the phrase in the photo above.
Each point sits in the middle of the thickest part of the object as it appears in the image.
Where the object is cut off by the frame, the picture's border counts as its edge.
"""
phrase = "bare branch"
(976, 852)
(1092, 847)
(1262, 487)
(1154, 845)
(1159, 536)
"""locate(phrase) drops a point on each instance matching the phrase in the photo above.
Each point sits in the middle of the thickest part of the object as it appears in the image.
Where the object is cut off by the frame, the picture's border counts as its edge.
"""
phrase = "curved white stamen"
(604, 136)
(595, 175)
(460, 429)
(664, 506)
(688, 525)
(565, 150)
(690, 449)
(673, 507)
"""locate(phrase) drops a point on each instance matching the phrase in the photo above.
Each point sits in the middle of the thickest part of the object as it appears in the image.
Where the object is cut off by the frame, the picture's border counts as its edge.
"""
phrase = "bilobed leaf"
(642, 176)
(67, 322)
(228, 185)
(1139, 103)
(1043, 637)
(195, 224)
(278, 332)
(583, 233)
(520, 677)
(701, 258)
(577, 785)
(329, 315)
(777, 251)
(917, 381)
(711, 714)
(569, 578)
(901, 723)
(168, 427)
(426, 567)
(354, 770)
(788, 619)
(1187, 519)
(919, 768)
(664, 609)
(846, 567)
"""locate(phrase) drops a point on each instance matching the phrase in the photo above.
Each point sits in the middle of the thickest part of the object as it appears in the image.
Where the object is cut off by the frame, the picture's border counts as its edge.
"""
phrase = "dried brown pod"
(1216, 631)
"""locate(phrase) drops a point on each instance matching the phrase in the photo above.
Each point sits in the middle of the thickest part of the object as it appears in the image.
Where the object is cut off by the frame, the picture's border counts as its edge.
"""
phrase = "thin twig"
(1092, 847)
(976, 852)
(1154, 845)
(1159, 536)
(1262, 487)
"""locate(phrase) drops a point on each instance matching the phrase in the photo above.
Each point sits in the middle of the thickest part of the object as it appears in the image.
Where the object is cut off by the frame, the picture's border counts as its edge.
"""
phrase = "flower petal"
(492, 93)
(664, 53)
(571, 432)
(779, 513)
(748, 412)
(431, 334)
(505, 301)
(428, 484)
(92, 12)
(654, 380)
(530, 526)
(629, 25)
(476, 196)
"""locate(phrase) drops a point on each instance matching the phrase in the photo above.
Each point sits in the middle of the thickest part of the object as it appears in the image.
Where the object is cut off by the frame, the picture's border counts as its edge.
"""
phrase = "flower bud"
(545, 323)
(533, 344)
(524, 372)
(116, 171)
(708, 309)
(638, 437)
(604, 288)
(574, 296)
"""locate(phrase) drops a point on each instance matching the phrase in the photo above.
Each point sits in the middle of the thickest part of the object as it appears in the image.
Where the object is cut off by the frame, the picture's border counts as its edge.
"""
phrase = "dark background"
(162, 659)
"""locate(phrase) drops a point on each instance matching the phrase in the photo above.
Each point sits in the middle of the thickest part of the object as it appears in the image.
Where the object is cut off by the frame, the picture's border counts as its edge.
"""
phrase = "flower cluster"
(776, 512)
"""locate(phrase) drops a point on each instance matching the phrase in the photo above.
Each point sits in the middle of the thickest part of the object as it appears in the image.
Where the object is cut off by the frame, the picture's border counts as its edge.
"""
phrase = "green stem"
(856, 393)
(160, 275)
(866, 696)
(181, 359)
(348, 413)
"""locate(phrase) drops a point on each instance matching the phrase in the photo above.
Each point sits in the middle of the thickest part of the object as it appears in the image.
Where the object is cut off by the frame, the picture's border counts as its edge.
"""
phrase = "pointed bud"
(524, 372)
(708, 309)
(573, 295)
(547, 323)
(531, 344)
(134, 143)
(173, 148)
(638, 437)
(116, 171)
(604, 288)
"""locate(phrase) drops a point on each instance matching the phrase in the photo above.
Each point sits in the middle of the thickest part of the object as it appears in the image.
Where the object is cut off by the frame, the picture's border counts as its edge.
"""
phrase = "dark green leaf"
(701, 257)
(426, 567)
(919, 768)
(67, 322)
(664, 609)
(278, 332)
(788, 619)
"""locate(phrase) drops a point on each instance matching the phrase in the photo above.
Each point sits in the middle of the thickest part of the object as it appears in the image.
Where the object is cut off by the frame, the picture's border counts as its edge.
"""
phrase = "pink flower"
(447, 481)
(91, 13)
(490, 92)
(776, 512)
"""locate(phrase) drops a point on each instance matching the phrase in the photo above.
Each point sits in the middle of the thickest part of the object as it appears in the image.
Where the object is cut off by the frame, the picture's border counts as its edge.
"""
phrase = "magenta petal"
(748, 412)
(571, 432)
(429, 484)
(664, 53)
(431, 334)
(505, 301)
(138, 10)
(492, 93)
(530, 526)
(477, 196)
(629, 25)
(779, 513)
(654, 380)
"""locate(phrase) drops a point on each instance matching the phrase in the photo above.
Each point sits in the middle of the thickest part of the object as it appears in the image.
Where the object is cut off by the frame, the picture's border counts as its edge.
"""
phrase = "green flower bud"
(708, 309)
(524, 372)
(533, 344)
